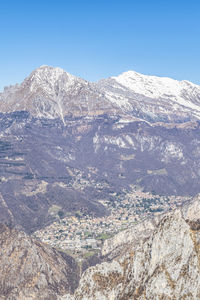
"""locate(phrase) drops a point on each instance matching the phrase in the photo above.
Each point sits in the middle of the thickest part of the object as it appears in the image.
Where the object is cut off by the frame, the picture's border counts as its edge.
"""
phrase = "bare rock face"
(166, 265)
(32, 270)
(120, 242)
(53, 93)
(161, 260)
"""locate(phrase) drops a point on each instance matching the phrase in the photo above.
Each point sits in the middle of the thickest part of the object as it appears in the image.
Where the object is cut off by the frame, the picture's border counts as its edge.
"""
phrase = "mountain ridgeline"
(51, 93)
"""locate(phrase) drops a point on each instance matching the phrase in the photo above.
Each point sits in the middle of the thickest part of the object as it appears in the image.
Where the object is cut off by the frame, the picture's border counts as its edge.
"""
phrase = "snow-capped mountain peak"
(52, 92)
(54, 72)
(153, 96)
(153, 86)
(50, 78)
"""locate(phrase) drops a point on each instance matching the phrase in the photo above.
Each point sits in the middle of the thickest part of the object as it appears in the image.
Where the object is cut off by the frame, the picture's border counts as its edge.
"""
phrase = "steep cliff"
(160, 260)
(164, 265)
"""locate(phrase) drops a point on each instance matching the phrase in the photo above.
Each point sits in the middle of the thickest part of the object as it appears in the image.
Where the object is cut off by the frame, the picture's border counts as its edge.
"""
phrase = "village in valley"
(82, 235)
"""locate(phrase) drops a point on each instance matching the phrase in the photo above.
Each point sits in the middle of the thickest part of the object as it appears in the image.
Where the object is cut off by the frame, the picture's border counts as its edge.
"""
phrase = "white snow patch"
(159, 87)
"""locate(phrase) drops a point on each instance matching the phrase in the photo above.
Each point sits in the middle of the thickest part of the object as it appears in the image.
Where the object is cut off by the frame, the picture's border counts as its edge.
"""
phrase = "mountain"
(162, 263)
(153, 98)
(70, 147)
(53, 93)
(66, 145)
(32, 270)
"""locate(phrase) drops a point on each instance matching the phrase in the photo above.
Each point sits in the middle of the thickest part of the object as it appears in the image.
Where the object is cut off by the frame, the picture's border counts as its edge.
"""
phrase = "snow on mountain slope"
(153, 96)
(161, 87)
(53, 93)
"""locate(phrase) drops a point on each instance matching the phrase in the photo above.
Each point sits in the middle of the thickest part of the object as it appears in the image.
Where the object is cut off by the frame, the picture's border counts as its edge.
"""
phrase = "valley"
(83, 236)
(85, 163)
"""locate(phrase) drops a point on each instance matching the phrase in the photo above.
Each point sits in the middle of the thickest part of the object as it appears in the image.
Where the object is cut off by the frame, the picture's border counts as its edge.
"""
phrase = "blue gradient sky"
(96, 39)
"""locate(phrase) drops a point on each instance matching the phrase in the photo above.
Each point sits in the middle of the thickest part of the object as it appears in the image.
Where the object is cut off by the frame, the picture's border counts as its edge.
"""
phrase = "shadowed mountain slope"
(32, 270)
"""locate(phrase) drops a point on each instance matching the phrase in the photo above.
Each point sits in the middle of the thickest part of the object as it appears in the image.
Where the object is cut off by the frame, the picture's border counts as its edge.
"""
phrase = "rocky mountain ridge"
(161, 265)
(33, 270)
(53, 93)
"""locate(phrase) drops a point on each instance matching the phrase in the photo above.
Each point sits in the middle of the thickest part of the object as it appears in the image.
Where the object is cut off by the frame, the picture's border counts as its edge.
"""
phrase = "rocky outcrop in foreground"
(161, 260)
(32, 270)
(165, 265)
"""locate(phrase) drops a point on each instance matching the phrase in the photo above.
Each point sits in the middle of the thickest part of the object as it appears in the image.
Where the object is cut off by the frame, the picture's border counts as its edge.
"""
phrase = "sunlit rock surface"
(165, 265)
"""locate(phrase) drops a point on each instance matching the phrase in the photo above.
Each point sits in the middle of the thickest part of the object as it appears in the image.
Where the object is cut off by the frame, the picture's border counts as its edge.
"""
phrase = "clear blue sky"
(96, 39)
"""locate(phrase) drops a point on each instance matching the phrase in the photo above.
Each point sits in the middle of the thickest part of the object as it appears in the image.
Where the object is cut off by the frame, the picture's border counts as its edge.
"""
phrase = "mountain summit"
(153, 98)
(53, 93)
